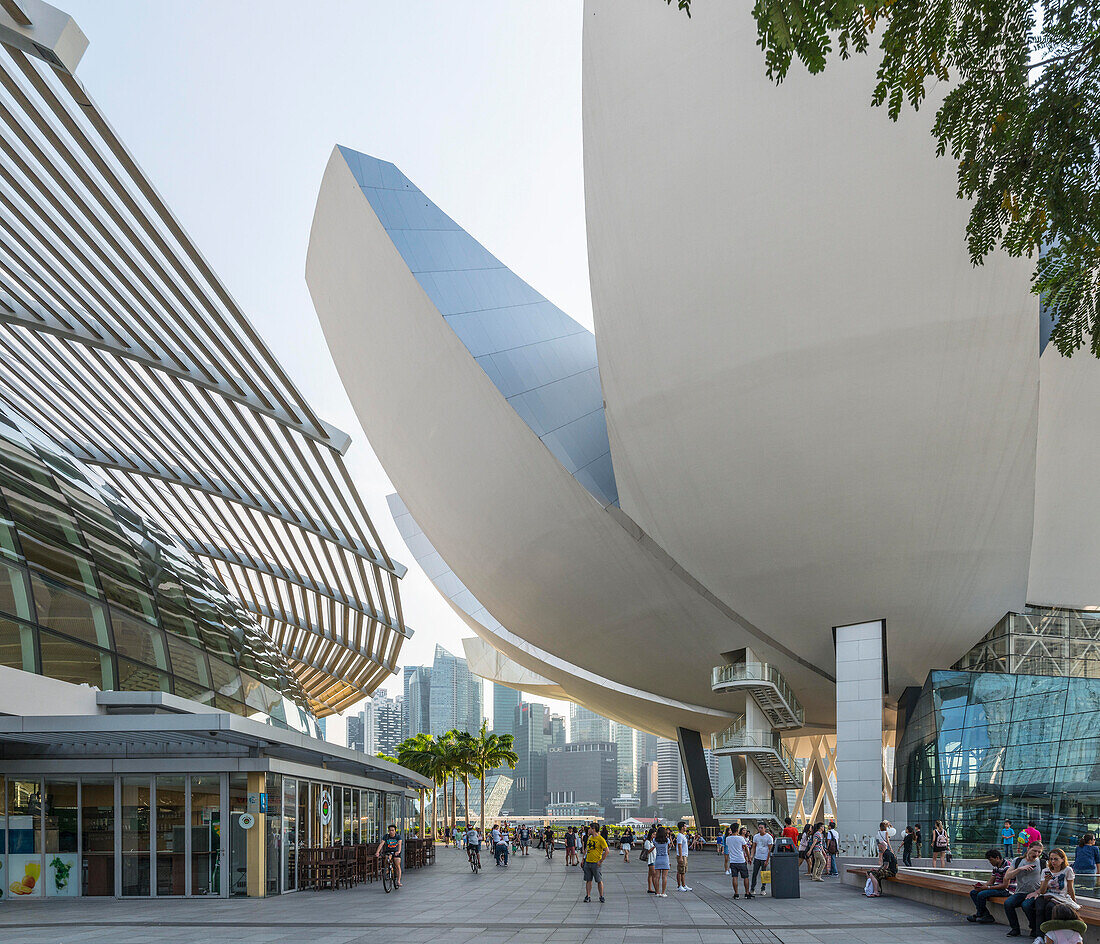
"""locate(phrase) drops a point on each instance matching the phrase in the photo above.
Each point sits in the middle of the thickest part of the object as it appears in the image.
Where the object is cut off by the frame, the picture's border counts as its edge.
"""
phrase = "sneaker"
(587, 897)
(972, 918)
(987, 919)
(601, 899)
(749, 896)
(687, 888)
(1015, 932)
(735, 896)
(662, 895)
(650, 891)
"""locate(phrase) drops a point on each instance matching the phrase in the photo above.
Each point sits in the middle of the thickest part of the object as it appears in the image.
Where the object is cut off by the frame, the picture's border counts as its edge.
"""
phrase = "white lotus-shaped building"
(803, 407)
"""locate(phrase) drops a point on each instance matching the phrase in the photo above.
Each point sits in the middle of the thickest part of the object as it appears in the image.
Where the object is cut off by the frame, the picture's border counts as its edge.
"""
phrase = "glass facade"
(982, 747)
(541, 360)
(91, 592)
(60, 835)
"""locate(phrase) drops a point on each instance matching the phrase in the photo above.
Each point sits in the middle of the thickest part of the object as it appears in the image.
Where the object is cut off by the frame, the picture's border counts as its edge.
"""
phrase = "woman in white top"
(885, 833)
(1056, 889)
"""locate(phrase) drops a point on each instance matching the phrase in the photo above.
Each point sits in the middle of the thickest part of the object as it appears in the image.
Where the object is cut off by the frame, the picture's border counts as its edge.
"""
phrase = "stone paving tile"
(531, 902)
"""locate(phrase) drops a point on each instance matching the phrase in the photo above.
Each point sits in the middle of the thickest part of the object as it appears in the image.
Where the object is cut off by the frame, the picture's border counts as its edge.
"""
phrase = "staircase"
(768, 689)
(733, 803)
(766, 749)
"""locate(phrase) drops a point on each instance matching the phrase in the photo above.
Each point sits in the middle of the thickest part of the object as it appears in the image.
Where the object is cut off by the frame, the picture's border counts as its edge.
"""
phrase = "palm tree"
(465, 758)
(488, 752)
(452, 750)
(427, 756)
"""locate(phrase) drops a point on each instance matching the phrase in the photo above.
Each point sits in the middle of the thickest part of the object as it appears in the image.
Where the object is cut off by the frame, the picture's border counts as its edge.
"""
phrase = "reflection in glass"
(206, 827)
(290, 834)
(17, 645)
(171, 835)
(238, 836)
(74, 662)
(97, 835)
(273, 833)
(135, 835)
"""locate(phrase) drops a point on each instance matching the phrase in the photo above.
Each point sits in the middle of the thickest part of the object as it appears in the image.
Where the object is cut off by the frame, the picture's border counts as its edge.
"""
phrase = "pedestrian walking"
(1008, 839)
(907, 846)
(917, 841)
(649, 856)
(817, 853)
(595, 852)
(941, 846)
(832, 847)
(683, 843)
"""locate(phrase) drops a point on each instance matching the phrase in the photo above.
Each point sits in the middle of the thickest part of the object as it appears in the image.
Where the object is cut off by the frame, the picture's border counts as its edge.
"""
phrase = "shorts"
(681, 865)
(525, 843)
(740, 868)
(592, 872)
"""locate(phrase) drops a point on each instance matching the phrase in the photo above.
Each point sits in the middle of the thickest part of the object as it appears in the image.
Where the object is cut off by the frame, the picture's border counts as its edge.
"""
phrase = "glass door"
(136, 801)
(97, 836)
(206, 827)
(59, 876)
(171, 830)
(290, 834)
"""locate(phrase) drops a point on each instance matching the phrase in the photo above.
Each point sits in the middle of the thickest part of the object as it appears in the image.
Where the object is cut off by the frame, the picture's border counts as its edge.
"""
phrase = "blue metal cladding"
(541, 360)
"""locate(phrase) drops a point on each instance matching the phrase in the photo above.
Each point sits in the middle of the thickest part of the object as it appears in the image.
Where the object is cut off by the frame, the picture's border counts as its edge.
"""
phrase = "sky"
(233, 107)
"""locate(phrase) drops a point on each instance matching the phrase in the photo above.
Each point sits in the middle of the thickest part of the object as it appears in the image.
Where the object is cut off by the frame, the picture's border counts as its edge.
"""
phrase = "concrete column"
(860, 674)
(255, 845)
(698, 777)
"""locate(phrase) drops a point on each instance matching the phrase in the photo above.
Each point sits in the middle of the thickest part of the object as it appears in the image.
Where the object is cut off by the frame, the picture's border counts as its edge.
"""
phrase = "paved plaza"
(531, 901)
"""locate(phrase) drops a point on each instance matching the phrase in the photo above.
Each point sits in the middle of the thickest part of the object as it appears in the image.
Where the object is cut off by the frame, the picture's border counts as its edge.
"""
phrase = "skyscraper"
(417, 700)
(505, 702)
(357, 731)
(585, 725)
(386, 725)
(531, 742)
(626, 763)
(557, 731)
(645, 747)
(670, 773)
(455, 695)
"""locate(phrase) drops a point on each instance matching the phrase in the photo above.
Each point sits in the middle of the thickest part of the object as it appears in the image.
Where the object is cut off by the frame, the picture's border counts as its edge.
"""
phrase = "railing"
(757, 672)
(737, 735)
(733, 801)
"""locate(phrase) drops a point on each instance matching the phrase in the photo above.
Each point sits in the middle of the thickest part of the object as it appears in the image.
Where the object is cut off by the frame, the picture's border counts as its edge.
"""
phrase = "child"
(1064, 927)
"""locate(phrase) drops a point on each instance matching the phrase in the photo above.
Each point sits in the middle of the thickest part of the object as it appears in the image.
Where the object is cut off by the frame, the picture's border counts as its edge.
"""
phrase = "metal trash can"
(785, 869)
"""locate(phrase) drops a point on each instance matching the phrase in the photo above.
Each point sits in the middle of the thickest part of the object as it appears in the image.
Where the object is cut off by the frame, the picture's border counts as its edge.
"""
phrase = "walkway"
(532, 902)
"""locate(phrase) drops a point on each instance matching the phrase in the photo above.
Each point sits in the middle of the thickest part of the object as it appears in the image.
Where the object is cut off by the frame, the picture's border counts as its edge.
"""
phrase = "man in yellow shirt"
(595, 851)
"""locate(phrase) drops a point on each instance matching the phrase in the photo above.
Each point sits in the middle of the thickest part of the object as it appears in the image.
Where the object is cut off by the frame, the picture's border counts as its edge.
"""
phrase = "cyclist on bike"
(548, 841)
(392, 845)
(473, 842)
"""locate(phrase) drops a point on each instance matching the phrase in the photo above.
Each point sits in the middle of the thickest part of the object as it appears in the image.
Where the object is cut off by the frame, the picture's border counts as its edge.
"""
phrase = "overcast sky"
(232, 108)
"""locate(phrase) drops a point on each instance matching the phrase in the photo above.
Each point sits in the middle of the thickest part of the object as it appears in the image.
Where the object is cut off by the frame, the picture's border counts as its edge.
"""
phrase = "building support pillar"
(255, 846)
(698, 778)
(861, 674)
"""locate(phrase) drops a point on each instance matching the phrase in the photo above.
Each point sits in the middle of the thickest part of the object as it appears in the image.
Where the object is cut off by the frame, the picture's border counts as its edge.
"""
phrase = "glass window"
(60, 563)
(9, 546)
(273, 838)
(139, 641)
(135, 836)
(24, 875)
(41, 512)
(355, 817)
(60, 876)
(227, 680)
(74, 662)
(206, 804)
(17, 645)
(178, 623)
(171, 826)
(135, 677)
(97, 830)
(129, 596)
(15, 597)
(345, 808)
(69, 613)
(189, 663)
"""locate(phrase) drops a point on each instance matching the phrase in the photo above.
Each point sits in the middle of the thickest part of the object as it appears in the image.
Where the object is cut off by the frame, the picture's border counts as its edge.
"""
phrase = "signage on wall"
(247, 821)
(324, 807)
(263, 802)
(253, 803)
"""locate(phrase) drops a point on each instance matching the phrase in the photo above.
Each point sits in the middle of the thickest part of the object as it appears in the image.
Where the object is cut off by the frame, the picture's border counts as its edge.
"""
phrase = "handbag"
(869, 888)
(766, 876)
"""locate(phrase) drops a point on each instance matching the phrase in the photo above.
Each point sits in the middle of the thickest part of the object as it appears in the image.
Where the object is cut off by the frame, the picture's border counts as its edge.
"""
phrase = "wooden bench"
(954, 885)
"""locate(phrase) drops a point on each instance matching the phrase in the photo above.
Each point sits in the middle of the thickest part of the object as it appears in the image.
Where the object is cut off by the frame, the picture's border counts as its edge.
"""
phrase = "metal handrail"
(757, 672)
(737, 735)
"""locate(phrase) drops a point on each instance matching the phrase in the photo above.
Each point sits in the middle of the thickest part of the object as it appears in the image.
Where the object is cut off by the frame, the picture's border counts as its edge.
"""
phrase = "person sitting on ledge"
(1064, 927)
(996, 887)
(888, 869)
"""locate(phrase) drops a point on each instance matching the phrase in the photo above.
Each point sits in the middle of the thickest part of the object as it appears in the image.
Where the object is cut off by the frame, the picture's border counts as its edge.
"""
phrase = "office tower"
(583, 772)
(647, 784)
(627, 763)
(455, 695)
(670, 773)
(532, 734)
(356, 730)
(505, 702)
(386, 725)
(645, 747)
(417, 699)
(585, 725)
(557, 731)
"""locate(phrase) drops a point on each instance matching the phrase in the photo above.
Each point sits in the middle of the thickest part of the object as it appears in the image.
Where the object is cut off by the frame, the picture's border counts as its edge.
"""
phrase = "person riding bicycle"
(473, 842)
(392, 845)
(548, 841)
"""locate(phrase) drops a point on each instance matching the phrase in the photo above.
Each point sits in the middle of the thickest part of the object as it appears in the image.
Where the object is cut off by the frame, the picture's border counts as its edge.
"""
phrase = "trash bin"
(785, 869)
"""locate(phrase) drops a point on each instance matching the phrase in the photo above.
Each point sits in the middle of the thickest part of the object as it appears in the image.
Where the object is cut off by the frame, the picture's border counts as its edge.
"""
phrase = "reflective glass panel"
(74, 662)
(139, 641)
(60, 563)
(238, 836)
(17, 645)
(15, 597)
(60, 875)
(171, 835)
(290, 834)
(135, 835)
(205, 835)
(97, 831)
(69, 613)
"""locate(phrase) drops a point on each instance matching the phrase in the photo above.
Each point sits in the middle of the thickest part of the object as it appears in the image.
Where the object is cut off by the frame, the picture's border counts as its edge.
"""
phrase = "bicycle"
(550, 850)
(474, 854)
(389, 873)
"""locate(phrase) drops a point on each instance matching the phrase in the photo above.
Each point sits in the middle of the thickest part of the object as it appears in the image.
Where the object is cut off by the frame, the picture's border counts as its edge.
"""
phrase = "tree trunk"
(466, 797)
(454, 803)
(422, 834)
(483, 801)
